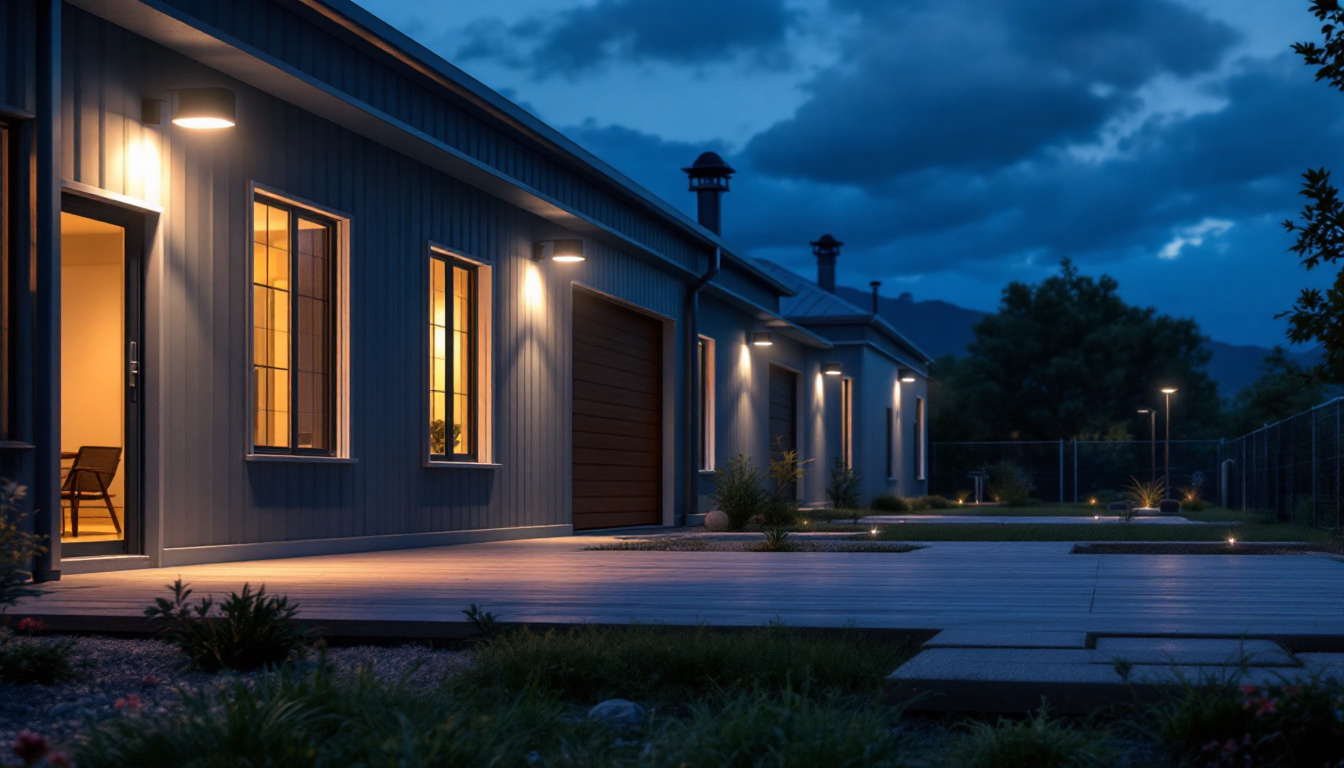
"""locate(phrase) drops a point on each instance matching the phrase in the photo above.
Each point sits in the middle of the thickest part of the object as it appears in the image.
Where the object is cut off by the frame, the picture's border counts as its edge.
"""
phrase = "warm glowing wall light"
(206, 108)
(832, 369)
(906, 375)
(563, 251)
(763, 339)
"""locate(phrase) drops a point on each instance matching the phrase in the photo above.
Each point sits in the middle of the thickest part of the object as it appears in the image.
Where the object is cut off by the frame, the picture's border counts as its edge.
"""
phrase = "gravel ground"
(703, 544)
(1197, 548)
(112, 670)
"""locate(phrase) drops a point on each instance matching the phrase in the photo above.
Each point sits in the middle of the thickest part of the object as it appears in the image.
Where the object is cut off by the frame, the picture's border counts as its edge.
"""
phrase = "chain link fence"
(1075, 471)
(1290, 469)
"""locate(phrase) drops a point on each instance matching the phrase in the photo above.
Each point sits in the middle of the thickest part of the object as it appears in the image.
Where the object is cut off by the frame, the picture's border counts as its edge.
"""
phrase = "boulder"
(618, 713)
(716, 521)
(1170, 507)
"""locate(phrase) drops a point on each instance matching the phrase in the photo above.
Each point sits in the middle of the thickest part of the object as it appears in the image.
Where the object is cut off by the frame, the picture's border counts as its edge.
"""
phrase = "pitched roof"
(811, 304)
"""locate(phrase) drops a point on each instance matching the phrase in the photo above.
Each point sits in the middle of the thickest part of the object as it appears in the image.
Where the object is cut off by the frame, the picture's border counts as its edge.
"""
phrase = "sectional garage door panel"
(618, 410)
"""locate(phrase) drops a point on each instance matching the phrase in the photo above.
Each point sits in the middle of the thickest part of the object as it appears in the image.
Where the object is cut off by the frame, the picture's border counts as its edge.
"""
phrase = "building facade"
(278, 281)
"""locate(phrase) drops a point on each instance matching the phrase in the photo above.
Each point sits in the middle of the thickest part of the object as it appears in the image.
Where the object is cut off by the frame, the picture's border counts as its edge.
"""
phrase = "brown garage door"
(618, 426)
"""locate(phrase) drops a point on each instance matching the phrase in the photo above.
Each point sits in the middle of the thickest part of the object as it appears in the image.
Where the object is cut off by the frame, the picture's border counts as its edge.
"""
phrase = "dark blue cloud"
(959, 85)
(690, 32)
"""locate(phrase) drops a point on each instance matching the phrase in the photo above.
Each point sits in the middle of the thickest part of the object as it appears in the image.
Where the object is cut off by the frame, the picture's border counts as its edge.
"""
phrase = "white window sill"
(461, 465)
(284, 458)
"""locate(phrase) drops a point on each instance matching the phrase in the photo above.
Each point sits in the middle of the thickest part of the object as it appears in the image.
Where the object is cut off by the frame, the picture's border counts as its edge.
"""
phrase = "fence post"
(1075, 470)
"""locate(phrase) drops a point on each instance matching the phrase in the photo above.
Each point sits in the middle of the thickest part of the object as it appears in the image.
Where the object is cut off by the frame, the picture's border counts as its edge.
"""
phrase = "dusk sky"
(953, 145)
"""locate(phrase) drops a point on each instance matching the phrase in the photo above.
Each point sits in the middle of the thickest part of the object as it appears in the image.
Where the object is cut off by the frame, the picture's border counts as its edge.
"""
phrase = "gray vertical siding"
(18, 32)
(211, 495)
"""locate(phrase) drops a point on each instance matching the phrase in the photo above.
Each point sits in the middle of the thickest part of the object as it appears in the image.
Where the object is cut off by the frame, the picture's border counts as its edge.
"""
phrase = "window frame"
(451, 259)
(705, 349)
(847, 421)
(9, 166)
(337, 227)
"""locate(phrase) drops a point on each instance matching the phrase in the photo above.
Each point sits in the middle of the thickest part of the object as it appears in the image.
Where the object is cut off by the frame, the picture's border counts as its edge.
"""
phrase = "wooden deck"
(947, 585)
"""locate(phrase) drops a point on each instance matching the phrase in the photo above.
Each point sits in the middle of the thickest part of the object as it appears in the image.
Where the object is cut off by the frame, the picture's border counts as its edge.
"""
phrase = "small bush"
(1146, 494)
(924, 503)
(1216, 722)
(1036, 742)
(1194, 505)
(889, 503)
(791, 730)
(17, 546)
(36, 661)
(777, 539)
(1008, 483)
(738, 492)
(844, 488)
(250, 630)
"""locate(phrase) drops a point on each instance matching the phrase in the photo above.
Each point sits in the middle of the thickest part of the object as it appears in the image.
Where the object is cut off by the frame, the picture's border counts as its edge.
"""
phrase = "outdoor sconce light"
(906, 375)
(206, 108)
(831, 369)
(762, 339)
(564, 251)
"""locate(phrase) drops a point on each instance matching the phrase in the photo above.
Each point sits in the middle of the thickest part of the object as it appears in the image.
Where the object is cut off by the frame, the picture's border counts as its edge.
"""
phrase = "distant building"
(277, 281)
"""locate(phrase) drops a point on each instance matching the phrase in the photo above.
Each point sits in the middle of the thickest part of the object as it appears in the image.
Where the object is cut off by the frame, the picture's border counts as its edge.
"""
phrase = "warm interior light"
(205, 108)
(831, 369)
(762, 339)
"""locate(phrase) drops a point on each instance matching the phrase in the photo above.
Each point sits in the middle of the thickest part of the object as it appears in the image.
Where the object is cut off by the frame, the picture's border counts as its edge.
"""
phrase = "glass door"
(100, 380)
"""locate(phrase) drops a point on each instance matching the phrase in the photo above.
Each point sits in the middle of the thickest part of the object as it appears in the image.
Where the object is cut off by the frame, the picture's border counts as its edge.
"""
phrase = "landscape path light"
(1152, 443)
(1166, 451)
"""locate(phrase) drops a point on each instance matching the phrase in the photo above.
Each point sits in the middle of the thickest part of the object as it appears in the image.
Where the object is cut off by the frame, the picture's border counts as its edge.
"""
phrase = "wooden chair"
(89, 477)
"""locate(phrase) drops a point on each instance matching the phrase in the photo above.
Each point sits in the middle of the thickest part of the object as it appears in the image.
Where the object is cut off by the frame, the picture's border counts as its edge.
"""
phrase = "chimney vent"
(709, 180)
(875, 285)
(826, 249)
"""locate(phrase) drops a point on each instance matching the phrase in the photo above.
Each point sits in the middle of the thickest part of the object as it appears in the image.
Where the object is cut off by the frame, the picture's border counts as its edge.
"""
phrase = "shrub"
(1215, 722)
(1194, 505)
(791, 730)
(1036, 742)
(777, 539)
(923, 503)
(1146, 494)
(17, 546)
(786, 470)
(250, 630)
(35, 661)
(1008, 483)
(738, 492)
(844, 488)
(889, 503)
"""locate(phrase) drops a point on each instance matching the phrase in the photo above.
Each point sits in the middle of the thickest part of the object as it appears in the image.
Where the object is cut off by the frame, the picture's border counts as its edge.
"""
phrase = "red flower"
(59, 760)
(131, 702)
(149, 681)
(1249, 689)
(30, 747)
(29, 624)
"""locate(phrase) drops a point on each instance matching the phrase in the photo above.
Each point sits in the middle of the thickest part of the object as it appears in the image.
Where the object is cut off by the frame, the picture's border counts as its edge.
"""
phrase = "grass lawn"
(1207, 515)
(1099, 532)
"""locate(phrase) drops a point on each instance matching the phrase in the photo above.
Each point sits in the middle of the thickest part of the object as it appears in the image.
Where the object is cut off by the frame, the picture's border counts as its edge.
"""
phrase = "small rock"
(618, 713)
(716, 521)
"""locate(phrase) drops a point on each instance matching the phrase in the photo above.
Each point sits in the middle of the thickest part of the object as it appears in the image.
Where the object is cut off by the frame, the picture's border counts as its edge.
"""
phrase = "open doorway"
(99, 379)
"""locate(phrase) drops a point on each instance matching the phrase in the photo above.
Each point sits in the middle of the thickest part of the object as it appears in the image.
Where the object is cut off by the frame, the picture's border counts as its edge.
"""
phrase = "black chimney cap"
(826, 242)
(709, 164)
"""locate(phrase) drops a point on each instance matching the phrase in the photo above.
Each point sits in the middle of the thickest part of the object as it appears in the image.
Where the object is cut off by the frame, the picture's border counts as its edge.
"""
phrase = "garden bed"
(1202, 548)
(707, 544)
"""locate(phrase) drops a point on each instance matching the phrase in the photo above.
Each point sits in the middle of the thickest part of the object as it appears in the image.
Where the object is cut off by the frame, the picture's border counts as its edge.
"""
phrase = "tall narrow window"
(6, 282)
(706, 392)
(293, 322)
(453, 432)
(891, 443)
(847, 422)
(920, 439)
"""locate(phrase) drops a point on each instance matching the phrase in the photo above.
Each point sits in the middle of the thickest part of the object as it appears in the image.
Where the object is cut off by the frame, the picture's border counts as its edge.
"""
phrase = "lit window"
(293, 330)
(847, 422)
(920, 439)
(453, 344)
(706, 385)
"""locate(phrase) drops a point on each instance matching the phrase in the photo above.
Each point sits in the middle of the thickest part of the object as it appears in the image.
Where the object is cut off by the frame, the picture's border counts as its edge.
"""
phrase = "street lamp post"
(1166, 450)
(1152, 443)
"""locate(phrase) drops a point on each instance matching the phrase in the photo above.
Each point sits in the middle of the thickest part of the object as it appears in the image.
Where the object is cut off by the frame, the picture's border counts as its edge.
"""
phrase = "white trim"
(341, 324)
(921, 438)
(289, 458)
(461, 465)
(485, 357)
(273, 550)
(101, 195)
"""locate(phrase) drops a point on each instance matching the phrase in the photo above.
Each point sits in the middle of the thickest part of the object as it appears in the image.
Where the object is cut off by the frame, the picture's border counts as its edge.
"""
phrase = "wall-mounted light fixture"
(206, 108)
(831, 369)
(762, 339)
(906, 375)
(564, 251)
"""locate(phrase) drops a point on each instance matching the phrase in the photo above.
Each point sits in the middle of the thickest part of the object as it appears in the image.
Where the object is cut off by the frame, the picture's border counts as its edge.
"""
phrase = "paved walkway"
(1016, 520)
(969, 585)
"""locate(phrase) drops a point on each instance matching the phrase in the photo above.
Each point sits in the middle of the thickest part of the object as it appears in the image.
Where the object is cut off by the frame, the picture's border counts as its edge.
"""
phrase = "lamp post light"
(1166, 451)
(1152, 443)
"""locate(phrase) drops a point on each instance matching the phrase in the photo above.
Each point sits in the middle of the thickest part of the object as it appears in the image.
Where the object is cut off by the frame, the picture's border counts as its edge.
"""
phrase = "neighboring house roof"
(812, 305)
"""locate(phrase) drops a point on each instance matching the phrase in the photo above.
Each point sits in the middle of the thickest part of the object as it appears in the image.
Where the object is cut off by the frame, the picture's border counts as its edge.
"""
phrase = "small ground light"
(1096, 517)
(874, 531)
(1231, 542)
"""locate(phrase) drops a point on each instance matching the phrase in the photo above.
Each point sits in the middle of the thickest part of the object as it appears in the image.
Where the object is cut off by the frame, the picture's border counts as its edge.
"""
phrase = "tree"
(1283, 389)
(1068, 358)
(1318, 316)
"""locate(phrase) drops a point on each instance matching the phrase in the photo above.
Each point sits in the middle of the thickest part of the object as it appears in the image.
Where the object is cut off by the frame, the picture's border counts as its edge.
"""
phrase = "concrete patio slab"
(1190, 651)
(971, 638)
